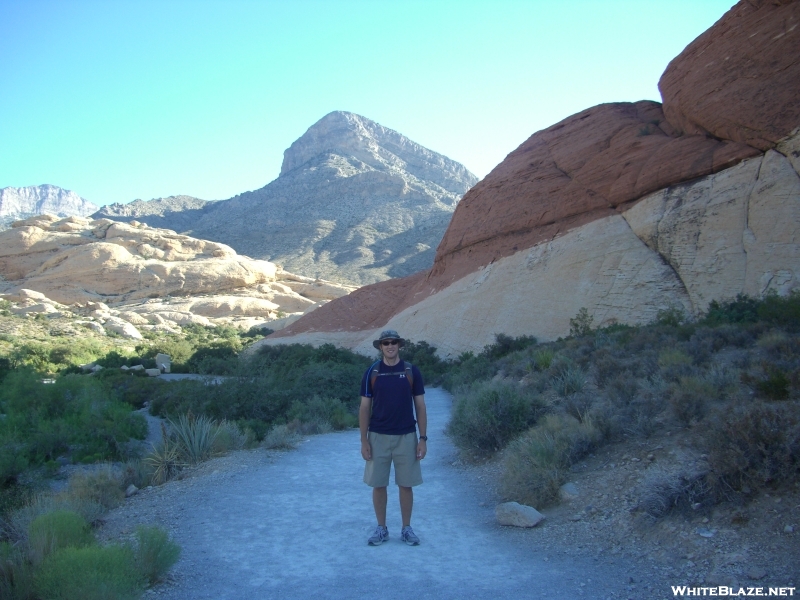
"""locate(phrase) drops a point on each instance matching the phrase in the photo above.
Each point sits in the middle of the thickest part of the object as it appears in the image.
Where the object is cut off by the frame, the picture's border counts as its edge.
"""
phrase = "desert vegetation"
(729, 380)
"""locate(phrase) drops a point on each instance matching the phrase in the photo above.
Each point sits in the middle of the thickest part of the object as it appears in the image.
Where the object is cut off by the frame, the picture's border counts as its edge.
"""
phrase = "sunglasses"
(390, 343)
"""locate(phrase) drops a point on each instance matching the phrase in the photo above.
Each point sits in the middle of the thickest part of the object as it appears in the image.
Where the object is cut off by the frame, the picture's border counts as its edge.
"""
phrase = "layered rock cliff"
(23, 202)
(624, 209)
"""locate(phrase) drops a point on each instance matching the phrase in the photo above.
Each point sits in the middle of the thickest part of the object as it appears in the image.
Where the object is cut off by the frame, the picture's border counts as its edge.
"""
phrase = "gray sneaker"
(381, 535)
(408, 536)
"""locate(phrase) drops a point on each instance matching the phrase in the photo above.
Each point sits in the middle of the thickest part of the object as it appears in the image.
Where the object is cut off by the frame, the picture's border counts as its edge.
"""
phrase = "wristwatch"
(423, 437)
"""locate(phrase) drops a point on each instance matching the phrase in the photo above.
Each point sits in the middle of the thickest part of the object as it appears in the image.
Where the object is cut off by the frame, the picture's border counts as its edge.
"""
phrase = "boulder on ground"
(122, 327)
(517, 515)
(163, 362)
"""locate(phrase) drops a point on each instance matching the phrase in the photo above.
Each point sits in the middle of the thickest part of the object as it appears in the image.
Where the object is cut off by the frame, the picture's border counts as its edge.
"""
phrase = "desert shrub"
(489, 414)
(90, 573)
(16, 574)
(154, 553)
(742, 309)
(570, 381)
(136, 472)
(20, 519)
(753, 446)
(195, 436)
(75, 414)
(783, 311)
(581, 323)
(578, 405)
(102, 486)
(280, 437)
(164, 460)
(229, 437)
(130, 388)
(674, 364)
(674, 316)
(55, 530)
(663, 492)
(537, 462)
(543, 357)
(622, 389)
(423, 356)
(469, 369)
(775, 386)
(322, 409)
(689, 399)
(505, 344)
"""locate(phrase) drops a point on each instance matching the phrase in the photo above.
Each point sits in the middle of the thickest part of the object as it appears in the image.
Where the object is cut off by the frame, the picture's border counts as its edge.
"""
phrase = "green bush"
(76, 415)
(322, 410)
(154, 553)
(775, 386)
(90, 573)
(581, 324)
(490, 414)
(55, 530)
(536, 463)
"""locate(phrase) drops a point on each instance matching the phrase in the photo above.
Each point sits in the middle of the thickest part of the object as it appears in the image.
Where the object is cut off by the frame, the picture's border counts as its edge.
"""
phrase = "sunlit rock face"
(355, 202)
(624, 209)
(23, 202)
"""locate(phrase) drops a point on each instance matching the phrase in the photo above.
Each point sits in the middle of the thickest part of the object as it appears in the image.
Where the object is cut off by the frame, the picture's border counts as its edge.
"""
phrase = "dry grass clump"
(664, 491)
(103, 486)
(281, 437)
(537, 462)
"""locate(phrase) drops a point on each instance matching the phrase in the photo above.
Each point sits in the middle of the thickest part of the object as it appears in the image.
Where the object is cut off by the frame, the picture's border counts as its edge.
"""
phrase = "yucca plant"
(165, 459)
(196, 436)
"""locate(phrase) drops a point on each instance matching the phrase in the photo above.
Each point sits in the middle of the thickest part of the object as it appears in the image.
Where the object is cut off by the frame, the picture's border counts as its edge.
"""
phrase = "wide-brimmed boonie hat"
(388, 334)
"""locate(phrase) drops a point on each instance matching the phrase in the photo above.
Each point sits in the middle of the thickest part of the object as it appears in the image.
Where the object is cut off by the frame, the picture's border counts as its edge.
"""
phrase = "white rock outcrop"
(130, 277)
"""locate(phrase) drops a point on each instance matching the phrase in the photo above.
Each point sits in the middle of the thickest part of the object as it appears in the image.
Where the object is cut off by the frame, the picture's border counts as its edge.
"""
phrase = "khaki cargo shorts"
(400, 449)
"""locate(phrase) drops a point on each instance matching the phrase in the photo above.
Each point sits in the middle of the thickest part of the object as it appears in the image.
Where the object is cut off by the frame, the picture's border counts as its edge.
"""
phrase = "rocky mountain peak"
(348, 134)
(23, 202)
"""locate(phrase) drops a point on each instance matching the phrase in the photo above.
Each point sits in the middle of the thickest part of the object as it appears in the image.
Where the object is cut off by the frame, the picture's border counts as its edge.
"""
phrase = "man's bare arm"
(422, 424)
(364, 412)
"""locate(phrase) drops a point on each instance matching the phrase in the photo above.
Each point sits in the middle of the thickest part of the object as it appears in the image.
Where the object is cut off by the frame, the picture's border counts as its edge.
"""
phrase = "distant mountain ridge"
(23, 202)
(355, 202)
(173, 212)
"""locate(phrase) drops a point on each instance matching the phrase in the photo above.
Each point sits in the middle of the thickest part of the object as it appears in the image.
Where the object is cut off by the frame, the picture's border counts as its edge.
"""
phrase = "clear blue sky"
(124, 99)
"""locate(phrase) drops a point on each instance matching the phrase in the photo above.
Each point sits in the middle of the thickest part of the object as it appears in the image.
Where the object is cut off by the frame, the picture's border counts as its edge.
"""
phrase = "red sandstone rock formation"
(738, 80)
(608, 157)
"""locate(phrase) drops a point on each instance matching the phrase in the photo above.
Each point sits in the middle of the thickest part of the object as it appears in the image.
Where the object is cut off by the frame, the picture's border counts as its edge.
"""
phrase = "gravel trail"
(258, 524)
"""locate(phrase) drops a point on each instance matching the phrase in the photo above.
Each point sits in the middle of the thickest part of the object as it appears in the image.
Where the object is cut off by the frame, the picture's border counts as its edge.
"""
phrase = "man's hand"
(366, 450)
(422, 449)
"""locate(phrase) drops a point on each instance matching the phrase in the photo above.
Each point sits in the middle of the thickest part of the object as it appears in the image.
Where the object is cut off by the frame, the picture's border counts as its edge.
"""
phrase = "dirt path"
(260, 524)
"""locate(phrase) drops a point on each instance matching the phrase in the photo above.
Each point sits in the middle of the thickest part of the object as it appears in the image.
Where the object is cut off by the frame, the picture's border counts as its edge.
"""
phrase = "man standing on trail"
(391, 391)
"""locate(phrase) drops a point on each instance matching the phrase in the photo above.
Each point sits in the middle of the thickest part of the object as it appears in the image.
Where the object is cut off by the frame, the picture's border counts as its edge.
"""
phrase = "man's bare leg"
(379, 497)
(406, 504)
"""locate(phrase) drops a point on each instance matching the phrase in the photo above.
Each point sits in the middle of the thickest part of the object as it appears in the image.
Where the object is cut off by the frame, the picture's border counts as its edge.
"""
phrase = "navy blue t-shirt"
(393, 398)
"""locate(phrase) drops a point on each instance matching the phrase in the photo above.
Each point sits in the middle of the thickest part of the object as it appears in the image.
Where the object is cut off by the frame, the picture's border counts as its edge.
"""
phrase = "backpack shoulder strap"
(372, 375)
(409, 374)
